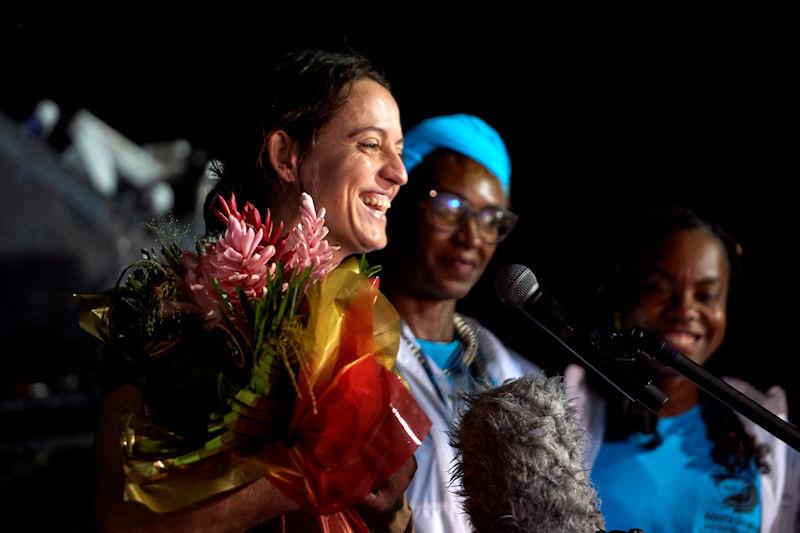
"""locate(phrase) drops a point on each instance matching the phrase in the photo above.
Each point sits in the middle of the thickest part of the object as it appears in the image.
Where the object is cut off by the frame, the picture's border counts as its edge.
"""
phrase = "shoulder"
(774, 399)
(590, 405)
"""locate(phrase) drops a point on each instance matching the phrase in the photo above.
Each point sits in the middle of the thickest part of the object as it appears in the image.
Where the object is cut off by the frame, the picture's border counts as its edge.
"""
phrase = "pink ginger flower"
(306, 246)
(239, 259)
(251, 216)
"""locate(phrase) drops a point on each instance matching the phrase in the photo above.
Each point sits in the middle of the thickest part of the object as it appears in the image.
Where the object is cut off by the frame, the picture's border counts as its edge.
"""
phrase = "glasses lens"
(495, 223)
(446, 210)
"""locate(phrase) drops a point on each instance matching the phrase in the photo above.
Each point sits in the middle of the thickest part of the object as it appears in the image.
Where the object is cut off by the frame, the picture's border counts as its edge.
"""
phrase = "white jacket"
(434, 502)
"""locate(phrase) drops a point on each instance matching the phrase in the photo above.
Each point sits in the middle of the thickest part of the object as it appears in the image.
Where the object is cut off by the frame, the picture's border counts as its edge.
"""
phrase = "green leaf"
(364, 268)
(247, 307)
(222, 295)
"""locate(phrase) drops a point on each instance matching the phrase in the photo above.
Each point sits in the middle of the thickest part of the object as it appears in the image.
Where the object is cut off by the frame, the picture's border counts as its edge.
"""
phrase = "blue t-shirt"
(440, 352)
(455, 377)
(675, 487)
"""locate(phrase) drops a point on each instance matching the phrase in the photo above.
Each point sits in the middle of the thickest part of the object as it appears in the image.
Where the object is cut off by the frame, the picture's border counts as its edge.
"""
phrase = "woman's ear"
(284, 155)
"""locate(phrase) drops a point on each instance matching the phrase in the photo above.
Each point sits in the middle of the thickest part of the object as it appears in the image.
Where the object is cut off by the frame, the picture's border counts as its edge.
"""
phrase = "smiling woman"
(444, 230)
(330, 128)
(707, 465)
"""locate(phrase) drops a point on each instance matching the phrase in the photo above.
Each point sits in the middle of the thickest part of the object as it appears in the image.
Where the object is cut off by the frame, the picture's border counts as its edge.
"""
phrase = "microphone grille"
(514, 284)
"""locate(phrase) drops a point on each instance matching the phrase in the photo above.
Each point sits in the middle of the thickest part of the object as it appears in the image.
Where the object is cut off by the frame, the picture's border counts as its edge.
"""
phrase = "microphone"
(519, 456)
(609, 354)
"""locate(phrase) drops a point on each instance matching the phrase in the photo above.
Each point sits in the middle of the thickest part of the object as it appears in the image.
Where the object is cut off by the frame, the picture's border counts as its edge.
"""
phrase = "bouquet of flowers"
(257, 358)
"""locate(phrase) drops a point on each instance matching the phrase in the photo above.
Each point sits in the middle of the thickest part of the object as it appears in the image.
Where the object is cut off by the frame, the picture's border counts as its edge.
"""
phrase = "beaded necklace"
(469, 360)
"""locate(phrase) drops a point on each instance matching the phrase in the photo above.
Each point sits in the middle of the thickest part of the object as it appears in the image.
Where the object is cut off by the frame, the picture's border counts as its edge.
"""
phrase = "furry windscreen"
(520, 460)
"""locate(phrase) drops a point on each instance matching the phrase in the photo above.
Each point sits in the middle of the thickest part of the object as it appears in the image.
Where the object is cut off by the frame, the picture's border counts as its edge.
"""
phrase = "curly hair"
(520, 460)
(733, 447)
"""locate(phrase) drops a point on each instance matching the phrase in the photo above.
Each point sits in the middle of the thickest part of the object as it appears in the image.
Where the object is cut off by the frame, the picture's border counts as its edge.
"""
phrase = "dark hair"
(305, 90)
(733, 447)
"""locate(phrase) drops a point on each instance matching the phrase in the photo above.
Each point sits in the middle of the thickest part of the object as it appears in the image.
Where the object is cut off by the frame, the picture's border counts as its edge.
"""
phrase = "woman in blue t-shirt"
(695, 466)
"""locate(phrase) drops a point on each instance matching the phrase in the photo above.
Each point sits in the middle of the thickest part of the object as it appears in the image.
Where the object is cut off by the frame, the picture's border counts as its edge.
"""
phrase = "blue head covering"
(465, 134)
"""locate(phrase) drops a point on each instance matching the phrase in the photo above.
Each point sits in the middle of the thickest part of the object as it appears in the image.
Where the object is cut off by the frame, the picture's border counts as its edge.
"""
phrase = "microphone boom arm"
(655, 347)
(615, 366)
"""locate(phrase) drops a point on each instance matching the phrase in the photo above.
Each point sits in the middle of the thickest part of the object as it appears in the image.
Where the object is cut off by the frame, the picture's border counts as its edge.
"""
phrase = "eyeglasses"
(449, 211)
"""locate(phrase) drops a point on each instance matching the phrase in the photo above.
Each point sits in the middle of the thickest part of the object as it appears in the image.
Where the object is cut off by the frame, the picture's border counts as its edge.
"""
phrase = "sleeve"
(788, 518)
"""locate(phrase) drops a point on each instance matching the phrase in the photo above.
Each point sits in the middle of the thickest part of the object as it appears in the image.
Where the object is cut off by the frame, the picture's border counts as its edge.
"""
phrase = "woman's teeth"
(378, 202)
(682, 341)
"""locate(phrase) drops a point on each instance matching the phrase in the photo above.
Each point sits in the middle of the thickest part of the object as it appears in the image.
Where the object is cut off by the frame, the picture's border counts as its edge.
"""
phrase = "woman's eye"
(369, 145)
(655, 287)
(706, 297)
(448, 212)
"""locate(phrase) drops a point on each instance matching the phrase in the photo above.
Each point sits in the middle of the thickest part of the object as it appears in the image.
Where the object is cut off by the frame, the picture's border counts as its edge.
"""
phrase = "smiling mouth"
(377, 203)
(462, 267)
(683, 341)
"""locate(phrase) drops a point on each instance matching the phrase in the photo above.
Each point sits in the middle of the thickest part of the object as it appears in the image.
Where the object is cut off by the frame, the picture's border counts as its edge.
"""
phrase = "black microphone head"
(514, 284)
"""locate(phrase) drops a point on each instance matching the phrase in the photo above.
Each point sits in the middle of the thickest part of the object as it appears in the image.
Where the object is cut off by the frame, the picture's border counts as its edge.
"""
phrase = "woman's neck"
(429, 319)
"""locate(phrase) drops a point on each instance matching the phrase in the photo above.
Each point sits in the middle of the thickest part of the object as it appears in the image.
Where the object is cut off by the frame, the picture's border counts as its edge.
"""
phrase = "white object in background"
(173, 155)
(106, 156)
(89, 153)
(44, 118)
(160, 198)
(106, 153)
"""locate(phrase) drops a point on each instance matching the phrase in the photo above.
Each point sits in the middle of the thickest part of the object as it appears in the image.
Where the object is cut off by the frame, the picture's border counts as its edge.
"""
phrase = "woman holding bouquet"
(331, 128)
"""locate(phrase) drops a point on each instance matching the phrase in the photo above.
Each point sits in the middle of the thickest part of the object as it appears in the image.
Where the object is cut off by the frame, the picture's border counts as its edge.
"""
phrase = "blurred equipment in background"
(44, 118)
(64, 229)
(107, 157)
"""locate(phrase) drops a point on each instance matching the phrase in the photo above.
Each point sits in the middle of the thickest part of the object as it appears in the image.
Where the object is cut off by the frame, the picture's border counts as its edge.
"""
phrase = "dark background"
(600, 115)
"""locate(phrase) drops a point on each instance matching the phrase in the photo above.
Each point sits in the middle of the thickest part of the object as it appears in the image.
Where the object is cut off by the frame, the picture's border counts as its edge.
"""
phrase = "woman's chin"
(369, 241)
(363, 244)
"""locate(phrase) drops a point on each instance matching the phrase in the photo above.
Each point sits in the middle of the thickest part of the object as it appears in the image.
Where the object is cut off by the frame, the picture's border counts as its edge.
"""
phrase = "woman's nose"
(684, 305)
(393, 170)
(468, 232)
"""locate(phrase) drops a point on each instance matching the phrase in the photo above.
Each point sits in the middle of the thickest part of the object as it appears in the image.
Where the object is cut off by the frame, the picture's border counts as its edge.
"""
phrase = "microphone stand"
(653, 346)
(606, 353)
(618, 357)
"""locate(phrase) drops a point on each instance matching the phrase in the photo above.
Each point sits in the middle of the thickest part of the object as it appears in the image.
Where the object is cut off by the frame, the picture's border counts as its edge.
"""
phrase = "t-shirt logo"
(737, 491)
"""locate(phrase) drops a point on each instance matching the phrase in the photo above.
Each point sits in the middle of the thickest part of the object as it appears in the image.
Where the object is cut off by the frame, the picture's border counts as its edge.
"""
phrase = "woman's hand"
(380, 508)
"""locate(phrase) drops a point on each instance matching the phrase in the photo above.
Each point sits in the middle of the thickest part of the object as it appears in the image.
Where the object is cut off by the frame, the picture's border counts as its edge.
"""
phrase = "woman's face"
(446, 264)
(354, 169)
(684, 292)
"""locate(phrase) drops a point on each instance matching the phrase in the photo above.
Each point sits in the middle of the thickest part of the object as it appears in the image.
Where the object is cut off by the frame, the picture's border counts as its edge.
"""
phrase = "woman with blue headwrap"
(442, 234)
